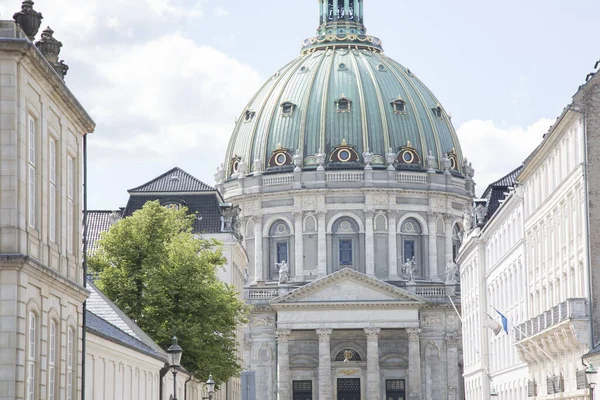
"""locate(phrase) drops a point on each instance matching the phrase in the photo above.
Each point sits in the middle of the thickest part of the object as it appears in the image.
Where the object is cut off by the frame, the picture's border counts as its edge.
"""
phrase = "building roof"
(117, 326)
(175, 180)
(495, 192)
(314, 83)
(98, 221)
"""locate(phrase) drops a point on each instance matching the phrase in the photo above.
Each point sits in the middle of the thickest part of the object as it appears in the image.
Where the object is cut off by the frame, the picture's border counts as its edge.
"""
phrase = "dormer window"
(249, 115)
(399, 106)
(343, 104)
(287, 109)
(437, 111)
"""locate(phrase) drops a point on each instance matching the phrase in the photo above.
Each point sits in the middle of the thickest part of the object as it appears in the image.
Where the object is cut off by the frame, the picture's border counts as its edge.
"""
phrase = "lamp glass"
(210, 384)
(175, 352)
(591, 375)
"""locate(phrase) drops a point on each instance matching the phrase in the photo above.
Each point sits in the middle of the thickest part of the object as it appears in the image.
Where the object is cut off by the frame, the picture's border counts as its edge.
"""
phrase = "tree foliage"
(165, 279)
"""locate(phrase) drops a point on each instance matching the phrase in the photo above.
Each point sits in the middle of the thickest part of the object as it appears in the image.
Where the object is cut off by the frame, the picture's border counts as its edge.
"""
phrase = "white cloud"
(221, 12)
(495, 150)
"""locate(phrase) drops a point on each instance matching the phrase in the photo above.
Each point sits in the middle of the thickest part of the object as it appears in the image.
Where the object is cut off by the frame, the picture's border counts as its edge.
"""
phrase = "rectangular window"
(282, 252)
(409, 249)
(70, 203)
(302, 390)
(70, 345)
(345, 252)
(52, 361)
(52, 192)
(31, 159)
(31, 357)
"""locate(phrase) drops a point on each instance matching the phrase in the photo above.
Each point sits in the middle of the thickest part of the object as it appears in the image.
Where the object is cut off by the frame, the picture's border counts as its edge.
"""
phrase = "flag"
(493, 325)
(504, 321)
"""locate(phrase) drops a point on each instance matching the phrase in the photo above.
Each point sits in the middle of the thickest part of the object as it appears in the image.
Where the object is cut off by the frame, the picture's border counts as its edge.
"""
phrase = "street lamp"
(493, 392)
(174, 362)
(591, 375)
(210, 386)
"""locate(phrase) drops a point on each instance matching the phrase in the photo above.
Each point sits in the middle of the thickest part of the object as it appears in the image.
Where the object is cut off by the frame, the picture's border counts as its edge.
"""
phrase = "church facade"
(351, 184)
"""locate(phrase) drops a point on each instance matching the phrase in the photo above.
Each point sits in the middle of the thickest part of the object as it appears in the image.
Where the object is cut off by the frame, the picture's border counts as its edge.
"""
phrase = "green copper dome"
(342, 99)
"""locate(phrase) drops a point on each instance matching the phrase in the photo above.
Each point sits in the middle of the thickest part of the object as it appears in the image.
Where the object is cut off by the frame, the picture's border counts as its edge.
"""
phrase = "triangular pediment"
(348, 286)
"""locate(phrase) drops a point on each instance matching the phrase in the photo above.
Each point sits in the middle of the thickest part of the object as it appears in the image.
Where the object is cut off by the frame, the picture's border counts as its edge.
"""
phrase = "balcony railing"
(436, 293)
(569, 309)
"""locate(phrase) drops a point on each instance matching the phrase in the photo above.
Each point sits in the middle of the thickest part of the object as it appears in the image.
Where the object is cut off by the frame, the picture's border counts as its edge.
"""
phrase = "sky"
(164, 80)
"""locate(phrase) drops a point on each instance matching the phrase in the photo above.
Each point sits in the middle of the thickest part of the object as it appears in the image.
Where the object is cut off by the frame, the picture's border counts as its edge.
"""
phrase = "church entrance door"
(348, 389)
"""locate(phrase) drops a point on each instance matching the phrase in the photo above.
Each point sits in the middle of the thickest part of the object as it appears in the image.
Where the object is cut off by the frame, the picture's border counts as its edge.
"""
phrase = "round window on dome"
(280, 159)
(408, 157)
(235, 166)
(342, 67)
(344, 155)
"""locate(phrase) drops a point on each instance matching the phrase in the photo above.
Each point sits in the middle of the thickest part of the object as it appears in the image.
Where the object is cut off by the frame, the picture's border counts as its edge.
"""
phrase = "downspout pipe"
(85, 230)
(185, 387)
(162, 374)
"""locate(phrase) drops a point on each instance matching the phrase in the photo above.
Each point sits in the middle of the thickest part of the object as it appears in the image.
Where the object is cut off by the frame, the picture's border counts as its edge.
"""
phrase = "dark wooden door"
(348, 389)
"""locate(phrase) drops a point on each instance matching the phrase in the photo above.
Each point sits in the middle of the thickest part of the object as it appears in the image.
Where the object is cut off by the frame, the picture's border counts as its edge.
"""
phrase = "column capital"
(368, 212)
(324, 334)
(298, 214)
(320, 213)
(283, 335)
(413, 333)
(448, 218)
(452, 339)
(372, 334)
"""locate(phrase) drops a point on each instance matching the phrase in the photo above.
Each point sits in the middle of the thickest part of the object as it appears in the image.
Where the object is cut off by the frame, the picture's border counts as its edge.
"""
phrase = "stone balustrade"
(576, 308)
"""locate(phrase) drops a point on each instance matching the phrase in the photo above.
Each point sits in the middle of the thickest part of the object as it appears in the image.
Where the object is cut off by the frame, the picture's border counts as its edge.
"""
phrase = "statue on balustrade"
(409, 268)
(284, 272)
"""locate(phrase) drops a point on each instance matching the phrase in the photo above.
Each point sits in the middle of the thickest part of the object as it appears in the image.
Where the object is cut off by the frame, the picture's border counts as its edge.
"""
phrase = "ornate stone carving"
(368, 159)
(257, 166)
(321, 160)
(28, 19)
(446, 164)
(50, 48)
(431, 163)
(324, 334)
(452, 340)
(429, 320)
(432, 351)
(390, 158)
(266, 322)
(372, 334)
(413, 333)
(380, 198)
(220, 174)
(265, 353)
(283, 335)
(451, 270)
(409, 268)
(348, 372)
(298, 161)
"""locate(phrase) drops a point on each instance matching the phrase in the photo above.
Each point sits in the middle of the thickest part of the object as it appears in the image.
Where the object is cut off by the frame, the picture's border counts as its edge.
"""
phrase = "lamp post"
(591, 375)
(174, 352)
(210, 386)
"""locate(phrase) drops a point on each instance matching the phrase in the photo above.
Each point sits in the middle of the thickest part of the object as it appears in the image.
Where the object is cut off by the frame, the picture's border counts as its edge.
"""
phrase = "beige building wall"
(41, 294)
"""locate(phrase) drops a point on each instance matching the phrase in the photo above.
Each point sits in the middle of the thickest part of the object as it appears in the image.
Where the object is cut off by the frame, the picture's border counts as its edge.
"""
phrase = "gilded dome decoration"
(344, 153)
(280, 157)
(342, 86)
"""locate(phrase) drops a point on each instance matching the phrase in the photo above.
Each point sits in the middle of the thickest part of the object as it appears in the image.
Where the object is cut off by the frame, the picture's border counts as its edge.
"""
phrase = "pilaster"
(325, 389)
(414, 364)
(392, 249)
(448, 225)
(321, 244)
(369, 243)
(259, 275)
(452, 365)
(433, 262)
(373, 389)
(298, 247)
(284, 383)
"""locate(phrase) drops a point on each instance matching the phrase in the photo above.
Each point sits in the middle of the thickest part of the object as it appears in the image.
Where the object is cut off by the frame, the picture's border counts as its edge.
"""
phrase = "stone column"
(299, 246)
(373, 389)
(392, 248)
(259, 275)
(284, 383)
(321, 243)
(369, 243)
(452, 365)
(325, 390)
(448, 221)
(414, 364)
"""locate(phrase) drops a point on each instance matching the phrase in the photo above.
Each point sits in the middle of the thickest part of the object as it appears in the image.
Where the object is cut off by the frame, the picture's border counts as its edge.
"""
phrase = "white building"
(551, 315)
(42, 136)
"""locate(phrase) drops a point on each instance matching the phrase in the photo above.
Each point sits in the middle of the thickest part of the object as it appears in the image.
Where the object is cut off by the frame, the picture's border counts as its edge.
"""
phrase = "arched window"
(411, 244)
(345, 244)
(52, 338)
(70, 362)
(457, 235)
(32, 352)
(279, 244)
(348, 355)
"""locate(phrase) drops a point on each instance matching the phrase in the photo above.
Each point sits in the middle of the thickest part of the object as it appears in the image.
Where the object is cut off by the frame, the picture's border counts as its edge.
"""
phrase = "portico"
(352, 336)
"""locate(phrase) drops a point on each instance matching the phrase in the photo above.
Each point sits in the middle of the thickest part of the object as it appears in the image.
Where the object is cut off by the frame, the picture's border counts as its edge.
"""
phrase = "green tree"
(165, 279)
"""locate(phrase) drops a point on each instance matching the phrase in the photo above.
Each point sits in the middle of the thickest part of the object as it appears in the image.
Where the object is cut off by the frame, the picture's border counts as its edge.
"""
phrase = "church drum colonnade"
(324, 382)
